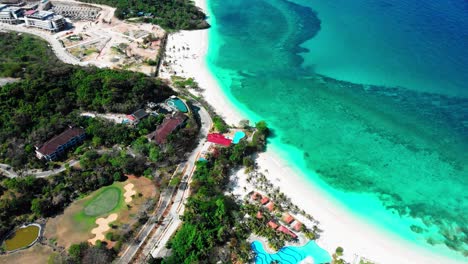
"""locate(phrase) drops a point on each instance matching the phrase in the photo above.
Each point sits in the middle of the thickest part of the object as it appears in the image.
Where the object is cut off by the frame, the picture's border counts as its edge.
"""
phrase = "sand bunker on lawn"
(129, 192)
(103, 226)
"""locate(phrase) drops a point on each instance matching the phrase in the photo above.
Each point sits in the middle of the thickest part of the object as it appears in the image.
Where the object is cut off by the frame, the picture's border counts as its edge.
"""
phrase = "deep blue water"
(367, 98)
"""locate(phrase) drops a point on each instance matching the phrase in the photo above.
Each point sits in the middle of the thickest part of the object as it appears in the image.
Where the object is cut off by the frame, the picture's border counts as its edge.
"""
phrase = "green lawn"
(103, 203)
(100, 203)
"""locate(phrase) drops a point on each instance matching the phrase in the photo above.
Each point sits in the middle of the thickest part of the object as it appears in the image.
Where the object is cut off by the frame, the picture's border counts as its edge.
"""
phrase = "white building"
(44, 20)
(10, 14)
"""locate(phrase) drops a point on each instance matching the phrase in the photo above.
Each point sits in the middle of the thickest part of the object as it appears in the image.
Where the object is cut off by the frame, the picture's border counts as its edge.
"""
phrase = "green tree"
(220, 125)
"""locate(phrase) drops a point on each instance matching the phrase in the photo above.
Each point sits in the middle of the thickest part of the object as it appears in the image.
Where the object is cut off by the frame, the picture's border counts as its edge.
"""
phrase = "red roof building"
(287, 218)
(272, 224)
(286, 231)
(264, 200)
(169, 125)
(298, 226)
(30, 12)
(219, 139)
(255, 196)
(259, 215)
(131, 118)
(270, 206)
(56, 146)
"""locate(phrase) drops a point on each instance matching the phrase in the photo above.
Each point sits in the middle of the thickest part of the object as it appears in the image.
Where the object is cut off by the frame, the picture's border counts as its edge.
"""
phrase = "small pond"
(22, 237)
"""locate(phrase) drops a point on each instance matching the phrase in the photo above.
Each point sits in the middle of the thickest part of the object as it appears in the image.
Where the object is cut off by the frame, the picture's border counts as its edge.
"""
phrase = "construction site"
(87, 33)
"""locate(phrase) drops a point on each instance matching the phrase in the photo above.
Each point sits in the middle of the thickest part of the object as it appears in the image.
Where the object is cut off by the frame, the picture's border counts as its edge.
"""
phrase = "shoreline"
(340, 227)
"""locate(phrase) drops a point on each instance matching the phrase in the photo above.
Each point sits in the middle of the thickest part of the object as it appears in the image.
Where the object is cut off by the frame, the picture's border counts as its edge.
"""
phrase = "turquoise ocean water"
(367, 98)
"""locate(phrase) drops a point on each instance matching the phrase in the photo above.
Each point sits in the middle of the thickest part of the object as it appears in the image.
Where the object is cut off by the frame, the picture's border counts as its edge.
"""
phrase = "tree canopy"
(51, 94)
(169, 14)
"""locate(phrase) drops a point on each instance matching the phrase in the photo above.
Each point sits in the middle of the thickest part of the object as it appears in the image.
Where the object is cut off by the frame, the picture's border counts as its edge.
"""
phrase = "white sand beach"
(340, 228)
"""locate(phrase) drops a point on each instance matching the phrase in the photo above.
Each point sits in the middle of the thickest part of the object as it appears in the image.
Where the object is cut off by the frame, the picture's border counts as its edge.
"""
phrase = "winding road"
(54, 43)
(10, 173)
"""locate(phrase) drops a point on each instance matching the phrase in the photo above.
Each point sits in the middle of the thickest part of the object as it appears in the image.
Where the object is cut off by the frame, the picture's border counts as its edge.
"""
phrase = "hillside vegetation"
(169, 14)
(51, 94)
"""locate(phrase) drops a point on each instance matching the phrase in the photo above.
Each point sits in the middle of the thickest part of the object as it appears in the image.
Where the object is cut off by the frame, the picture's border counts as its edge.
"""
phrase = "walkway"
(10, 173)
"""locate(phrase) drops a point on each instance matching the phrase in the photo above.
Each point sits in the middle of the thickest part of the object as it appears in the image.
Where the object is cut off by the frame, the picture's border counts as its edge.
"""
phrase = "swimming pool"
(238, 136)
(177, 104)
(291, 254)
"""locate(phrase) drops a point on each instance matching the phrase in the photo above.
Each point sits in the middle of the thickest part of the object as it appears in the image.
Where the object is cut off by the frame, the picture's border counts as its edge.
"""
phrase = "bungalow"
(140, 114)
(287, 218)
(286, 231)
(169, 125)
(272, 224)
(298, 226)
(259, 215)
(264, 200)
(136, 116)
(219, 139)
(270, 206)
(255, 196)
(57, 146)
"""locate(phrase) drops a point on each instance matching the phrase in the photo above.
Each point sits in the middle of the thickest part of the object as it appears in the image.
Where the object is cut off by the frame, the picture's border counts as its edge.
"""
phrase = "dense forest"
(169, 14)
(51, 93)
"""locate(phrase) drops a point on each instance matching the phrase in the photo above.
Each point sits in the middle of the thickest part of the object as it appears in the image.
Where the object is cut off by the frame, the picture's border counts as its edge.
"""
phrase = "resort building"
(264, 200)
(255, 196)
(10, 14)
(270, 206)
(169, 125)
(136, 117)
(219, 139)
(44, 20)
(259, 215)
(298, 226)
(57, 146)
(272, 224)
(287, 218)
(286, 231)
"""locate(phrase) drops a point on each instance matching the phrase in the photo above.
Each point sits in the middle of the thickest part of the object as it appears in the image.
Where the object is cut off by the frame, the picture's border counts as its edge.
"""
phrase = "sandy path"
(103, 226)
(129, 191)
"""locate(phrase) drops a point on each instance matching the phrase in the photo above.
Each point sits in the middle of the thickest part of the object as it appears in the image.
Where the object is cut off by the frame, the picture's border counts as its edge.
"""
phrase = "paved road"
(54, 43)
(157, 243)
(170, 206)
(10, 173)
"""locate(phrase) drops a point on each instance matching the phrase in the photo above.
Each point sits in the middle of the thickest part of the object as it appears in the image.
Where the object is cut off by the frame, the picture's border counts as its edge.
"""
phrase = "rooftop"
(298, 226)
(51, 146)
(30, 12)
(43, 15)
(219, 139)
(264, 200)
(272, 224)
(270, 206)
(139, 114)
(255, 196)
(259, 215)
(286, 231)
(167, 127)
(287, 218)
